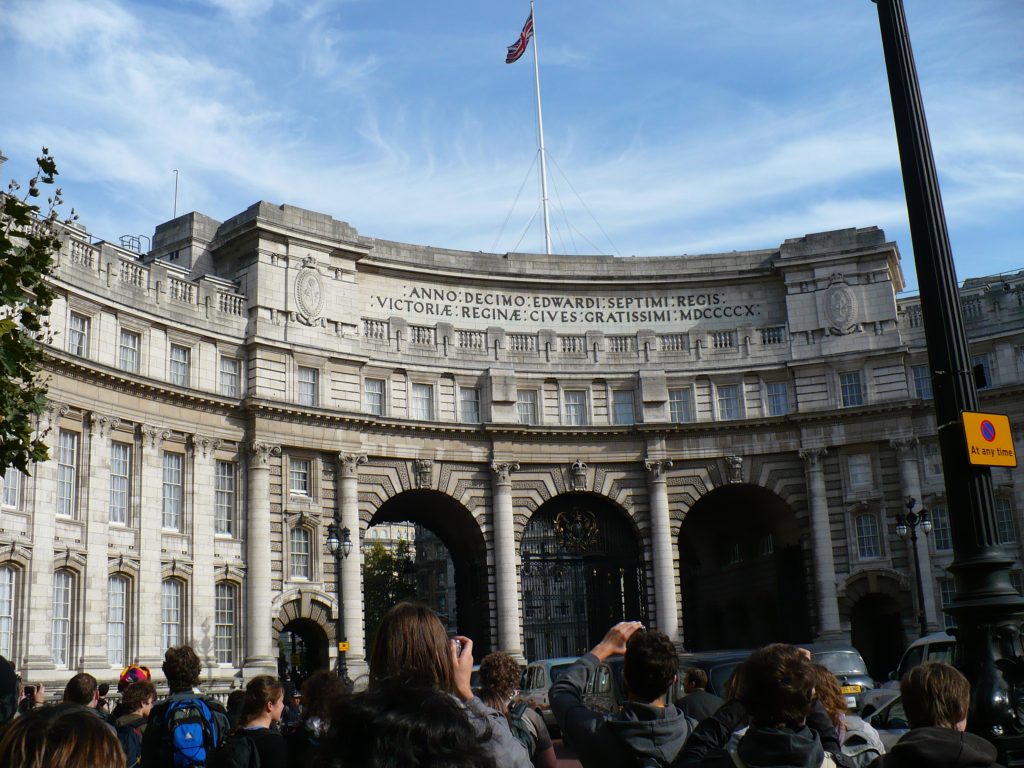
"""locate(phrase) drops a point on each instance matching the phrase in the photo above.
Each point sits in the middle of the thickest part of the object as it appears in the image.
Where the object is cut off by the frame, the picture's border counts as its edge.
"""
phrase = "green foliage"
(29, 239)
(385, 582)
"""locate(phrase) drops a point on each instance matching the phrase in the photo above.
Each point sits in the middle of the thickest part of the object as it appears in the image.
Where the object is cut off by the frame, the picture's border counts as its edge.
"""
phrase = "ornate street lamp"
(907, 525)
(339, 542)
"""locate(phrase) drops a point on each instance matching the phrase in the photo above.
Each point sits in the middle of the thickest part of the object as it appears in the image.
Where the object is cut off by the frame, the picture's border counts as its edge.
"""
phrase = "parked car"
(937, 646)
(536, 681)
(846, 663)
(890, 721)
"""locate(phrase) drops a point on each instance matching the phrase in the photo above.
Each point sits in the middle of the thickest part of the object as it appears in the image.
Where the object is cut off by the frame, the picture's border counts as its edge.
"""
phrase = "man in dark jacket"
(698, 703)
(936, 697)
(646, 732)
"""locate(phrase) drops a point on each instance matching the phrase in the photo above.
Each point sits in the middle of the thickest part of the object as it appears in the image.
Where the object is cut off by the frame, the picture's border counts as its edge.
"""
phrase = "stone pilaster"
(665, 593)
(352, 566)
(150, 525)
(910, 484)
(260, 658)
(505, 577)
(824, 562)
(204, 587)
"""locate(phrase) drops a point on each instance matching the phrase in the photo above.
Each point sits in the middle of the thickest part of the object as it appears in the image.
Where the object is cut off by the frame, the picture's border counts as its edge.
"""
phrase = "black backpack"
(130, 737)
(521, 728)
(237, 751)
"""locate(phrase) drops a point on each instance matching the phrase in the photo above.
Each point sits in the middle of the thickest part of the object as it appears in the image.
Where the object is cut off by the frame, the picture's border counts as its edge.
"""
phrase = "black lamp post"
(339, 542)
(907, 525)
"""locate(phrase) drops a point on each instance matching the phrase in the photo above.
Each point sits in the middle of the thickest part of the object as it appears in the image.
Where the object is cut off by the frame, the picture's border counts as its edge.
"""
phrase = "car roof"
(828, 648)
(555, 661)
(934, 637)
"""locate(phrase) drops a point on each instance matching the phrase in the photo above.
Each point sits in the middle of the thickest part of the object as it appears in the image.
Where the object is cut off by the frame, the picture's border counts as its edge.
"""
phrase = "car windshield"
(720, 675)
(842, 662)
(558, 670)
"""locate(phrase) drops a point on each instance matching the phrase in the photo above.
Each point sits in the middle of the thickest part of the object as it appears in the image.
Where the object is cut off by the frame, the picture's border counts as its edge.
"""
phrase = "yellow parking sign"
(989, 440)
(343, 645)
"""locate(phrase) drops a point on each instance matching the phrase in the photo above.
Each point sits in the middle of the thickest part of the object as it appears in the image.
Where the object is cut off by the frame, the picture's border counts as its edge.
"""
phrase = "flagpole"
(540, 132)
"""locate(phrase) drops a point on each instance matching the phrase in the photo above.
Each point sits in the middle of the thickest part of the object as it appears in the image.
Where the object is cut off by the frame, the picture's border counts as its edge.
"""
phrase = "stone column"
(910, 483)
(259, 655)
(506, 580)
(352, 566)
(150, 525)
(665, 594)
(824, 563)
(204, 580)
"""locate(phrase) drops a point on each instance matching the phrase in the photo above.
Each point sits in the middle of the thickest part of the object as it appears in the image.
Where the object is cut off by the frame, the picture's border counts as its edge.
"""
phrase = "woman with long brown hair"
(261, 710)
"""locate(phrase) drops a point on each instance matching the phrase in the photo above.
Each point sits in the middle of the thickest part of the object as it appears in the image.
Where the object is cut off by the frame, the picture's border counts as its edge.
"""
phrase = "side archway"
(876, 601)
(302, 639)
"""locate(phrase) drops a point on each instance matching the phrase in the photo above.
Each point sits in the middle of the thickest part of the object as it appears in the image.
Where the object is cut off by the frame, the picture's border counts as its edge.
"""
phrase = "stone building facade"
(718, 444)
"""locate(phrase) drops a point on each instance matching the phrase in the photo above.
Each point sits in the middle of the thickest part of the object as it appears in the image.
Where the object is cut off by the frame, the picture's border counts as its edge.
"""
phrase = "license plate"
(851, 689)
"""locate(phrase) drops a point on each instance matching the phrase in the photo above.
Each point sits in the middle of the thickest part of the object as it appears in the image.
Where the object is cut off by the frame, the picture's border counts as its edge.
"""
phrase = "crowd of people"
(420, 709)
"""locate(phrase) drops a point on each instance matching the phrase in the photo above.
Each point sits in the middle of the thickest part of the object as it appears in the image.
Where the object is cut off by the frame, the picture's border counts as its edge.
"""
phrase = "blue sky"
(672, 126)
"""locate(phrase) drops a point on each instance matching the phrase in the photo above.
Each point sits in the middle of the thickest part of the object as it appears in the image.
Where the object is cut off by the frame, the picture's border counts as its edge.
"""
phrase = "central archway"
(582, 572)
(744, 582)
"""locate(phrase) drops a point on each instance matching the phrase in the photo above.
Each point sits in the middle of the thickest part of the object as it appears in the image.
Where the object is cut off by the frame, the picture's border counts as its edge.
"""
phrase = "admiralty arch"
(718, 445)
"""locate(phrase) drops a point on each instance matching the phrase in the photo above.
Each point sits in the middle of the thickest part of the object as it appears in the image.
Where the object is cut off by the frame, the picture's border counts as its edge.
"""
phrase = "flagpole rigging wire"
(540, 133)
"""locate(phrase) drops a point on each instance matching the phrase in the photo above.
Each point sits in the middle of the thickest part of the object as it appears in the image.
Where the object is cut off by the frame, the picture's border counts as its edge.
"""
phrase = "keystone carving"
(579, 476)
(735, 468)
(424, 473)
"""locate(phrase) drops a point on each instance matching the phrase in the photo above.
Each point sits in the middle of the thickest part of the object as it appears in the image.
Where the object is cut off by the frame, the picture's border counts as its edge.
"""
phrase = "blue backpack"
(190, 733)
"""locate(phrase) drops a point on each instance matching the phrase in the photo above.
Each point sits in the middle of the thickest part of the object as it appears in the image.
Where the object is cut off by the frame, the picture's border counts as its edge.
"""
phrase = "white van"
(937, 646)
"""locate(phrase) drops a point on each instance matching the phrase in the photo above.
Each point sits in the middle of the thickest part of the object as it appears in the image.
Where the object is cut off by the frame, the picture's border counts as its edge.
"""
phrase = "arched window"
(300, 553)
(63, 601)
(171, 611)
(225, 620)
(117, 620)
(7, 586)
(868, 544)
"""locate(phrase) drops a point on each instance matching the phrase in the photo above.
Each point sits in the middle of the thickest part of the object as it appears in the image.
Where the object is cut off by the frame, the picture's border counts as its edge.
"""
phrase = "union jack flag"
(518, 48)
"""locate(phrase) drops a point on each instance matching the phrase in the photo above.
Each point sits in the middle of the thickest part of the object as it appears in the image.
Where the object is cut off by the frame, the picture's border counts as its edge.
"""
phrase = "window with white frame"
(374, 392)
(301, 567)
(78, 335)
(171, 612)
(11, 482)
(623, 409)
(67, 473)
(922, 382)
(851, 388)
(982, 362)
(117, 620)
(1006, 531)
(63, 598)
(128, 351)
(942, 538)
(728, 402)
(858, 468)
(7, 585)
(946, 591)
(309, 385)
(230, 376)
(300, 475)
(526, 406)
(575, 407)
(225, 620)
(778, 398)
(120, 482)
(180, 365)
(224, 498)
(869, 543)
(680, 405)
(173, 484)
(469, 405)
(422, 402)
(932, 460)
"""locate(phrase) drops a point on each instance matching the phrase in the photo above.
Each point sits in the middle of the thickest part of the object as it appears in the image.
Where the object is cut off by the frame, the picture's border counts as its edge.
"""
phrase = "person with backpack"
(186, 728)
(136, 703)
(499, 677)
(860, 743)
(648, 731)
(254, 743)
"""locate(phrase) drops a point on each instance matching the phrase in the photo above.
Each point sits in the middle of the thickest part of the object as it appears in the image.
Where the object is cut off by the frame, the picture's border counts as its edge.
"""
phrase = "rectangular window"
(172, 492)
(526, 406)
(78, 335)
(230, 376)
(300, 553)
(63, 588)
(374, 391)
(946, 590)
(224, 623)
(422, 406)
(858, 466)
(680, 405)
(299, 475)
(469, 405)
(932, 460)
(11, 481)
(778, 398)
(120, 481)
(128, 351)
(623, 411)
(170, 613)
(1006, 531)
(983, 371)
(868, 543)
(309, 386)
(576, 407)
(117, 613)
(922, 382)
(852, 389)
(7, 612)
(1017, 580)
(224, 498)
(181, 365)
(728, 402)
(67, 473)
(941, 535)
